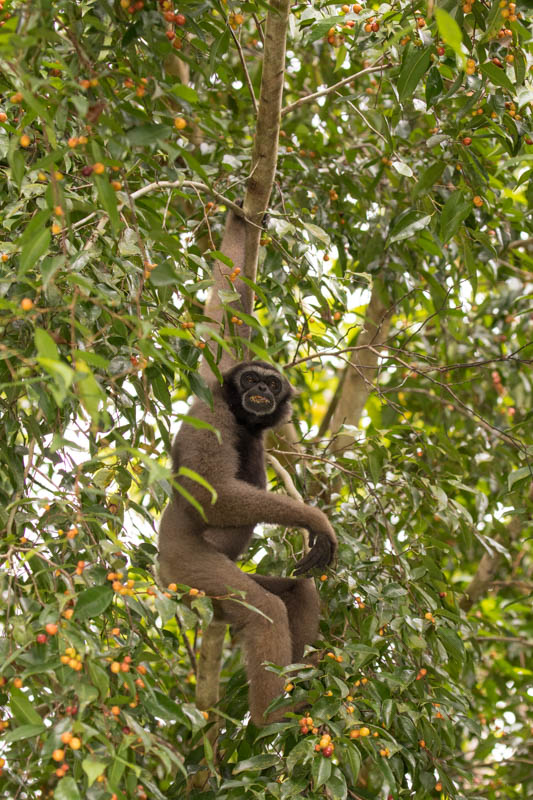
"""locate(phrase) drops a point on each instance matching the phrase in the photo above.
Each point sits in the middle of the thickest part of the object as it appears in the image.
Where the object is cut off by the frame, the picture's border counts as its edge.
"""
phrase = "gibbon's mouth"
(258, 403)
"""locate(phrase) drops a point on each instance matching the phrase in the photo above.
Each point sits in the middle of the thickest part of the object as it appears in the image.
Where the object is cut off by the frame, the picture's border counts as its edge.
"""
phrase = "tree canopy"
(394, 286)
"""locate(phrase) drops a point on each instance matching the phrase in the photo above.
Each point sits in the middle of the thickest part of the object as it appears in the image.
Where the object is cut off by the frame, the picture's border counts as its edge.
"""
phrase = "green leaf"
(166, 708)
(23, 709)
(99, 678)
(414, 66)
(517, 475)
(451, 642)
(450, 32)
(320, 28)
(497, 76)
(151, 133)
(413, 223)
(34, 249)
(46, 347)
(23, 732)
(434, 85)
(66, 789)
(455, 210)
(93, 769)
(403, 168)
(91, 395)
(93, 602)
(194, 476)
(337, 788)
(520, 67)
(186, 93)
(353, 758)
(321, 770)
(429, 177)
(108, 198)
(164, 275)
(18, 166)
(259, 762)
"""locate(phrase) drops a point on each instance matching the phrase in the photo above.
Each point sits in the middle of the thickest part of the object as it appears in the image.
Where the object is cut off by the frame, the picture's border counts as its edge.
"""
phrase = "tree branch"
(357, 385)
(244, 67)
(330, 89)
(489, 565)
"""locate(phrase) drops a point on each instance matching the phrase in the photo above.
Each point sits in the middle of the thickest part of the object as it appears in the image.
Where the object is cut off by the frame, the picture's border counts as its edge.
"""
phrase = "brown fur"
(201, 552)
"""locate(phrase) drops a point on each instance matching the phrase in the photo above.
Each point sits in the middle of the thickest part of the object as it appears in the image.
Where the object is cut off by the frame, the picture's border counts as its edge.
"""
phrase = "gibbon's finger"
(320, 555)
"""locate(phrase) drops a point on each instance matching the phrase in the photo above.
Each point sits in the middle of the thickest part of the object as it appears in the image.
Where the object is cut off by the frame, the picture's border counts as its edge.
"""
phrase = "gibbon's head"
(258, 394)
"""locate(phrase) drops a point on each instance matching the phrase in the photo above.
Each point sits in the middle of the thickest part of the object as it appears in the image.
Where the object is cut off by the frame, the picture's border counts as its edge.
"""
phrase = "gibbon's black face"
(257, 394)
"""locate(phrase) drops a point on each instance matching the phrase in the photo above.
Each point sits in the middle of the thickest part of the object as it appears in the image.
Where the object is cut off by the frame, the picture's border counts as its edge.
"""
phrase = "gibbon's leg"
(187, 558)
(303, 605)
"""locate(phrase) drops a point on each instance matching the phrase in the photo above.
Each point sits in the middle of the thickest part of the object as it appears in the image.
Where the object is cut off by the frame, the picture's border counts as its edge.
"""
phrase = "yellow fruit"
(25, 140)
(98, 168)
(58, 755)
(26, 304)
(180, 123)
(75, 743)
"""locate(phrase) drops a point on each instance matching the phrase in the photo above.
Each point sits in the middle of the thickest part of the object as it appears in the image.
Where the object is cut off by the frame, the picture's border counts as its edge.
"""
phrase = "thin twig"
(520, 243)
(192, 657)
(244, 68)
(156, 185)
(259, 28)
(328, 90)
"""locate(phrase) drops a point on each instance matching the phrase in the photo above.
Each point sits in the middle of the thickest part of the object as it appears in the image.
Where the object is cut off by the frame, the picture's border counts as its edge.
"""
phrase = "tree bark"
(259, 189)
(359, 376)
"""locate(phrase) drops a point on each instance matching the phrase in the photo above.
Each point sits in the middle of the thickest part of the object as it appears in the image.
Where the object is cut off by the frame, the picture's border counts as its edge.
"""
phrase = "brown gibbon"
(200, 549)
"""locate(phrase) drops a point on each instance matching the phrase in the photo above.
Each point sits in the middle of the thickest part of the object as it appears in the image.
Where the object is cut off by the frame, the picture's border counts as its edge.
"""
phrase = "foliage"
(413, 179)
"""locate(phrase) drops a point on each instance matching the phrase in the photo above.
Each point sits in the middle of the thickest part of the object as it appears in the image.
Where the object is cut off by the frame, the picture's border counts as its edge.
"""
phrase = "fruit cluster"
(118, 586)
(72, 659)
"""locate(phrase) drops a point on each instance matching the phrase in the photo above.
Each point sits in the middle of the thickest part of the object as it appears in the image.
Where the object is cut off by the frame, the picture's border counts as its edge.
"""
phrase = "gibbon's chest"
(251, 455)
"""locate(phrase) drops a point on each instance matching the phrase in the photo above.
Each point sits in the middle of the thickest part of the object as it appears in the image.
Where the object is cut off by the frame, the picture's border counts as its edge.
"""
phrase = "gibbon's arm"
(239, 504)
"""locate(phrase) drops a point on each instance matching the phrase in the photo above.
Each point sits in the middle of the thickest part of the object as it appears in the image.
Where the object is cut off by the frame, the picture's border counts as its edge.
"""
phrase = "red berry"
(180, 19)
(441, 51)
(42, 638)
(327, 752)
(467, 141)
(87, 170)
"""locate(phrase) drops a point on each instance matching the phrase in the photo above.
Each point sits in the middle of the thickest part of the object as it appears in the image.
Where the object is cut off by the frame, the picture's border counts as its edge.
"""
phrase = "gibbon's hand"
(322, 552)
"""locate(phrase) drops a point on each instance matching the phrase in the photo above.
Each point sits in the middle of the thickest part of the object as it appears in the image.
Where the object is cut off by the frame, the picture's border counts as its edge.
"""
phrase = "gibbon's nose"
(262, 386)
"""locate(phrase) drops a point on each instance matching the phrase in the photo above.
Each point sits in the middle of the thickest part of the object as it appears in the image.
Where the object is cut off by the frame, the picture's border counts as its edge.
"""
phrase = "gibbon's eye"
(248, 379)
(274, 384)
